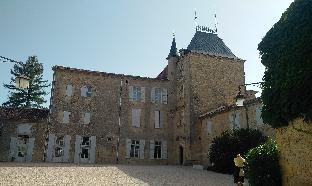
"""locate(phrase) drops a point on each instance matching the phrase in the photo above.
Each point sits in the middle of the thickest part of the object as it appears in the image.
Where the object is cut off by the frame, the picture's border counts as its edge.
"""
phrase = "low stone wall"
(295, 149)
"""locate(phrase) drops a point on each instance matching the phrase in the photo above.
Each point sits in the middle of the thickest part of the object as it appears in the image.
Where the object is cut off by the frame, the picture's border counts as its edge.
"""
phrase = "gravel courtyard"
(71, 174)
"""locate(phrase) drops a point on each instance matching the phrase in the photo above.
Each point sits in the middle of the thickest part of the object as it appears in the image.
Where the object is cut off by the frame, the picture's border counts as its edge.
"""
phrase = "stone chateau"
(99, 117)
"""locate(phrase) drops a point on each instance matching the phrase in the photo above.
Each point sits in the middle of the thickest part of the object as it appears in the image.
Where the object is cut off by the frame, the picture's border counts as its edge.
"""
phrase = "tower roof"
(173, 50)
(209, 43)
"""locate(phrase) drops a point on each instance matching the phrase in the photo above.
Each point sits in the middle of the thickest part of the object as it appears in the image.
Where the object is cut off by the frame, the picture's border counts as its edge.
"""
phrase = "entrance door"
(181, 158)
(21, 147)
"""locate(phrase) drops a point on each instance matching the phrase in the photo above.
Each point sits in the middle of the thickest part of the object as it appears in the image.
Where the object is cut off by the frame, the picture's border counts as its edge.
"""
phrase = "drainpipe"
(119, 122)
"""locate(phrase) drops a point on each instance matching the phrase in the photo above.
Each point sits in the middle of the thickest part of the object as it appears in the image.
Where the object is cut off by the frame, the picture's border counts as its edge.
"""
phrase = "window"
(85, 141)
(136, 93)
(135, 149)
(69, 90)
(159, 95)
(86, 118)
(259, 120)
(59, 145)
(157, 150)
(209, 127)
(158, 119)
(234, 121)
(86, 91)
(66, 115)
(136, 117)
(84, 153)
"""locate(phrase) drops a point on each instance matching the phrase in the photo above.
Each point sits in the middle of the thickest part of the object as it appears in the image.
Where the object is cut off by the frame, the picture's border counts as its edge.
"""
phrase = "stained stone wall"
(219, 121)
(295, 153)
(9, 129)
(109, 103)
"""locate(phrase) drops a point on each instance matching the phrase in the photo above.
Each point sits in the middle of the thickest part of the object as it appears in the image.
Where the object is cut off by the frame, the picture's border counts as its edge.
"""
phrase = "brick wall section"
(295, 150)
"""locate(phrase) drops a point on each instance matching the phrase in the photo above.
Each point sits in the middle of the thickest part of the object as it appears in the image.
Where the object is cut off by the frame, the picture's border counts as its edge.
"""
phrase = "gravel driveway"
(72, 174)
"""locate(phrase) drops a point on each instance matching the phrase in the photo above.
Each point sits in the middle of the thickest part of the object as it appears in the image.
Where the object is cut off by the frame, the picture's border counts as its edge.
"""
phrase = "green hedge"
(262, 167)
(286, 53)
(226, 146)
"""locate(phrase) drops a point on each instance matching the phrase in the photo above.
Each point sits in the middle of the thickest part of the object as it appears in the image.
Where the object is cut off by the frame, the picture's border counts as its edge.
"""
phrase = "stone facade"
(295, 153)
(213, 123)
(22, 134)
(112, 105)
(198, 79)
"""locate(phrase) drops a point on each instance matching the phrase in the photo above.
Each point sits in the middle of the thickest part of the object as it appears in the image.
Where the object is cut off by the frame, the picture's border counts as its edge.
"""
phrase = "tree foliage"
(262, 166)
(33, 97)
(226, 146)
(286, 52)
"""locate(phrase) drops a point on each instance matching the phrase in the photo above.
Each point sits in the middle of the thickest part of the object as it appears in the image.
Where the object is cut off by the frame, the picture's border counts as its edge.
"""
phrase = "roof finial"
(195, 17)
(216, 23)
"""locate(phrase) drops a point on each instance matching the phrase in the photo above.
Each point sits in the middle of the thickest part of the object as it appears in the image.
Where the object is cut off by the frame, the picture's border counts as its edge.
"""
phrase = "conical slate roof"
(173, 50)
(209, 43)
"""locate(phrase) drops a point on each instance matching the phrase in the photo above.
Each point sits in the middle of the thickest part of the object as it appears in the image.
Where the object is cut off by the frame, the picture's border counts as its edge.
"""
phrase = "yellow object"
(239, 161)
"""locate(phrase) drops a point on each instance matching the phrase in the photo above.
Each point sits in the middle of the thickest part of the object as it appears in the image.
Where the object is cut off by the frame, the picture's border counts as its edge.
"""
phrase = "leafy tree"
(262, 166)
(33, 97)
(226, 146)
(286, 52)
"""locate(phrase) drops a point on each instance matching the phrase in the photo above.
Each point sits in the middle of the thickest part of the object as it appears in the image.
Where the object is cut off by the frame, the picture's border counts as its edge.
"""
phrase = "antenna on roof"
(216, 23)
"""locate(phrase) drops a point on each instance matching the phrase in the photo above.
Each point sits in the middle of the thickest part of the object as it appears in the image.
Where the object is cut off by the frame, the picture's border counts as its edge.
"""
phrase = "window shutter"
(12, 153)
(133, 117)
(237, 124)
(66, 115)
(142, 144)
(152, 149)
(143, 94)
(164, 96)
(138, 117)
(164, 149)
(77, 149)
(69, 90)
(83, 90)
(50, 147)
(231, 121)
(161, 117)
(259, 120)
(92, 150)
(157, 121)
(87, 118)
(153, 95)
(128, 148)
(30, 147)
(209, 127)
(66, 148)
(130, 89)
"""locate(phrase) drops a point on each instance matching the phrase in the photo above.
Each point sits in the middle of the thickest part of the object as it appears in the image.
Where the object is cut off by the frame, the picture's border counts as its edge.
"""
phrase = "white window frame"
(158, 146)
(69, 90)
(135, 149)
(66, 117)
(87, 118)
(137, 93)
(136, 117)
(158, 95)
(86, 91)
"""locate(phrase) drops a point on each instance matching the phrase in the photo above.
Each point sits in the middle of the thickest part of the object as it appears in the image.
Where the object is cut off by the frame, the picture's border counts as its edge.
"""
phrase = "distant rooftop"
(210, 43)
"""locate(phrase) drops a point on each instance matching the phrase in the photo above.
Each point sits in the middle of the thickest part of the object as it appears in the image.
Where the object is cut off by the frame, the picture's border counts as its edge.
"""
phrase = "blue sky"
(128, 37)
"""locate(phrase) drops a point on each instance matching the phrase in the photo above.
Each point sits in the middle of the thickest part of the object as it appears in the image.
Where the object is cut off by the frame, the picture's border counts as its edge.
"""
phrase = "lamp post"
(21, 81)
(240, 98)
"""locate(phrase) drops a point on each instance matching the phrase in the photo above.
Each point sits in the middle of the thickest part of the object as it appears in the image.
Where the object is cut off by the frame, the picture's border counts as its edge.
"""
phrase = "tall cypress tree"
(32, 97)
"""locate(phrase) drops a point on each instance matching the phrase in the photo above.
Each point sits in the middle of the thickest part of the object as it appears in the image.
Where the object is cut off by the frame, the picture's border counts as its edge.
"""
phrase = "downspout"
(119, 121)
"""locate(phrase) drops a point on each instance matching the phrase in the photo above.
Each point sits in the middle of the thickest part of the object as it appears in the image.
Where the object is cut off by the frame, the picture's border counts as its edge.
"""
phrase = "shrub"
(262, 167)
(226, 146)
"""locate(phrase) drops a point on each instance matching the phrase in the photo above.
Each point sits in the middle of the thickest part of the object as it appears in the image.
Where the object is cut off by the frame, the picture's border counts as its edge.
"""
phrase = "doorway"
(181, 158)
